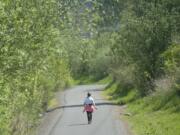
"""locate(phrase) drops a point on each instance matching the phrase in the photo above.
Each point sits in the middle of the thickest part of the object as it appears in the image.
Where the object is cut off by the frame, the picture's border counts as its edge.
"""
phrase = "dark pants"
(89, 116)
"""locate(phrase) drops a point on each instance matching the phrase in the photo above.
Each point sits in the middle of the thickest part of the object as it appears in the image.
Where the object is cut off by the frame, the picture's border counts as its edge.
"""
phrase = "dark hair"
(88, 94)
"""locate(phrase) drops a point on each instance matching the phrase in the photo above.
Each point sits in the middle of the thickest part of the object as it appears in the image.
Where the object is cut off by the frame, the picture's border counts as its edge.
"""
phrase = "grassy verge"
(53, 103)
(114, 94)
(105, 80)
(157, 114)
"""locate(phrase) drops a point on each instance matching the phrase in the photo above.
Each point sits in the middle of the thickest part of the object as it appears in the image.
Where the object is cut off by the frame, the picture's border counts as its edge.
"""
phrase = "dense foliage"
(128, 39)
(32, 62)
(148, 29)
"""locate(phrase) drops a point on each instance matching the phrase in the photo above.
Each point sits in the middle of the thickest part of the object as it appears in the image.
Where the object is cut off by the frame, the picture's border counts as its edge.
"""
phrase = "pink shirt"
(89, 108)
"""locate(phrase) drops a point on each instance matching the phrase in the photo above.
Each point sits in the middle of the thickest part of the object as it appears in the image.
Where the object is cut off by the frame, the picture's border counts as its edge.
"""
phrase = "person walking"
(89, 107)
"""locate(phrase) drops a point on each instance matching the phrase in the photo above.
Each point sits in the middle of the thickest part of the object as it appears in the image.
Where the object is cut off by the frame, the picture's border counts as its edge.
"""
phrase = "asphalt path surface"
(72, 121)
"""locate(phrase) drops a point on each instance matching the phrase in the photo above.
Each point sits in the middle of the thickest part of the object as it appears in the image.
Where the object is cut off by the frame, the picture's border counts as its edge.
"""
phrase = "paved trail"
(72, 121)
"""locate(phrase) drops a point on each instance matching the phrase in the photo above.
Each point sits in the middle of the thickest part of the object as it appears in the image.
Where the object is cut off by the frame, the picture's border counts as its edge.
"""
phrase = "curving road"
(73, 121)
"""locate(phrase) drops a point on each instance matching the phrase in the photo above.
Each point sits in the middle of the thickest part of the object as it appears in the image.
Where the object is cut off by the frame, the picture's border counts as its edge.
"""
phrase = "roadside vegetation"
(48, 45)
(155, 114)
